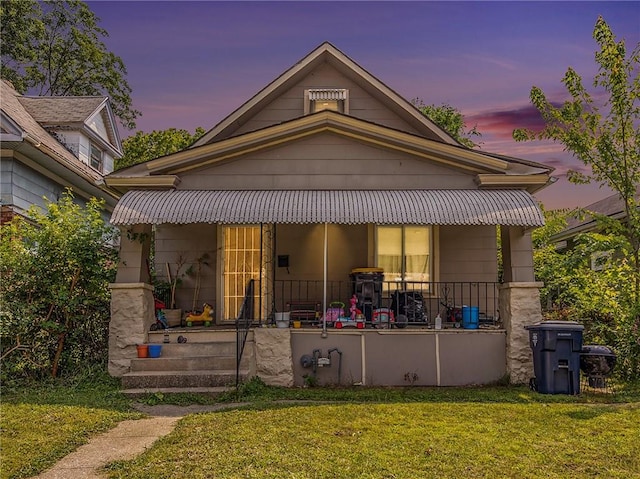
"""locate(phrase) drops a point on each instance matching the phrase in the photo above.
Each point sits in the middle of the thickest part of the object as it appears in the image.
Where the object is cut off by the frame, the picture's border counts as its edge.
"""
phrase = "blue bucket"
(155, 350)
(470, 317)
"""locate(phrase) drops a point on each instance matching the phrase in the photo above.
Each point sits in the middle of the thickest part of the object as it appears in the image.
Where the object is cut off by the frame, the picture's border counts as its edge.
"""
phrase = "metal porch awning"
(435, 207)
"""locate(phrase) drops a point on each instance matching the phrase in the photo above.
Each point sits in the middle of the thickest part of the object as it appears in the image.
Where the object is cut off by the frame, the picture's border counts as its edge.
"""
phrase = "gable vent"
(331, 94)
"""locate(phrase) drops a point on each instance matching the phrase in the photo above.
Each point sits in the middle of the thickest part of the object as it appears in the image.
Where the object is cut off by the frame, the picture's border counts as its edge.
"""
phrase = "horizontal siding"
(290, 104)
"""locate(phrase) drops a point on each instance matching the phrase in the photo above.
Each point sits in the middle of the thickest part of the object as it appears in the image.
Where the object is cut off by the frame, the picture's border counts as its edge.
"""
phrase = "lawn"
(402, 440)
(370, 433)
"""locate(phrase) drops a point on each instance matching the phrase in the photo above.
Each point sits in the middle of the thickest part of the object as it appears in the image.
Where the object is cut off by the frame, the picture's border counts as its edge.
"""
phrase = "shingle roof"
(61, 110)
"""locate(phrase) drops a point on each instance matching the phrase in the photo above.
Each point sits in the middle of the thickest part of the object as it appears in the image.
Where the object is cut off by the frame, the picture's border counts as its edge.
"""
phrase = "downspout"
(324, 286)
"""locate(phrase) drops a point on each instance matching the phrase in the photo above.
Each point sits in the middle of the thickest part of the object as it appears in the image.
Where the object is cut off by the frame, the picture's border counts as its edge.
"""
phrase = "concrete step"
(181, 379)
(136, 392)
(217, 349)
(187, 363)
(196, 335)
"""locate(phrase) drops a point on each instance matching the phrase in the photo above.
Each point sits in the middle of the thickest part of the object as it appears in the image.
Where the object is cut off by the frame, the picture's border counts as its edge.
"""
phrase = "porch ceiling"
(437, 207)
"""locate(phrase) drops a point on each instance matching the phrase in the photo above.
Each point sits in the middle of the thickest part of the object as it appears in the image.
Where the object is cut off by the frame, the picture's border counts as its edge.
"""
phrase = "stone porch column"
(132, 305)
(519, 301)
(132, 314)
(519, 307)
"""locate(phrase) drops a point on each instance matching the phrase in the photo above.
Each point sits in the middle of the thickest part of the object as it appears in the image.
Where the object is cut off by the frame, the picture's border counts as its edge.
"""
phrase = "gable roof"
(326, 52)
(611, 206)
(74, 112)
(490, 171)
(33, 135)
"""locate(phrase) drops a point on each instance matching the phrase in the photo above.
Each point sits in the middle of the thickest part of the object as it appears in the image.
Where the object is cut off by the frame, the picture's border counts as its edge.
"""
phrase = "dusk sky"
(191, 64)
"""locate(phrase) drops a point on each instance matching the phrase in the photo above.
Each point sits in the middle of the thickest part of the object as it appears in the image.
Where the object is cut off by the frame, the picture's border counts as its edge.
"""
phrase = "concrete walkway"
(126, 441)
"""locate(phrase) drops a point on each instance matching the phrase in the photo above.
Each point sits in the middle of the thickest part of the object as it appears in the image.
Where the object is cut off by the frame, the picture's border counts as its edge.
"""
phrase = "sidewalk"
(126, 441)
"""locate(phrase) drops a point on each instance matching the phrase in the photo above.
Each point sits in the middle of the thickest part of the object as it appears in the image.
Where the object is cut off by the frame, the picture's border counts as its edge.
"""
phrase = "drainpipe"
(324, 289)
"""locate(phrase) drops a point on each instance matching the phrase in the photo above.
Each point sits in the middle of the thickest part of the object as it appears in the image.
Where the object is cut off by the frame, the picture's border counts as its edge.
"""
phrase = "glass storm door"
(242, 262)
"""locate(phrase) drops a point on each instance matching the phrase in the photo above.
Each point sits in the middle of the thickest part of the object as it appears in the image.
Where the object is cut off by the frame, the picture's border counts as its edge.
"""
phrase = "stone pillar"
(273, 356)
(519, 307)
(132, 314)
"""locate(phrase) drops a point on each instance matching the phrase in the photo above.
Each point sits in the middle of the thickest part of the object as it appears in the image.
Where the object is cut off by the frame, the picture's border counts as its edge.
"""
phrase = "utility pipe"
(324, 288)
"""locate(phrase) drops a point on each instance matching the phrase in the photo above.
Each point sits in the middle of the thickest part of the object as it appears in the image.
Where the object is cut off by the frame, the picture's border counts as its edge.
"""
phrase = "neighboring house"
(326, 183)
(587, 222)
(53, 143)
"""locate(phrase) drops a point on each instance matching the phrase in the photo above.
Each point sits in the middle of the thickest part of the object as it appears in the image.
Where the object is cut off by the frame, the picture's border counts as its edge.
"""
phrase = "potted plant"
(173, 314)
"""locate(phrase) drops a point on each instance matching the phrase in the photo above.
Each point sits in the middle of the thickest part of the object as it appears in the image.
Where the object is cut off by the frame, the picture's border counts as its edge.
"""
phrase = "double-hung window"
(96, 160)
(405, 254)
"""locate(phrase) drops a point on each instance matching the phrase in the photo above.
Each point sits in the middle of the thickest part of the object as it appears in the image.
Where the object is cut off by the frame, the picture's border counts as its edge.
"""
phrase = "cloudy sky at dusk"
(191, 63)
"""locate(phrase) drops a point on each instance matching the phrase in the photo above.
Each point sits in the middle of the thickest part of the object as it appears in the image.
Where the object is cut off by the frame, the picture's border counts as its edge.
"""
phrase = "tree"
(450, 120)
(604, 137)
(55, 269)
(147, 146)
(599, 299)
(55, 48)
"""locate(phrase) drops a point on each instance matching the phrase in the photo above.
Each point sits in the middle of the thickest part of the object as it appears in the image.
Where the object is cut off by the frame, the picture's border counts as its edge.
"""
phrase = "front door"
(242, 262)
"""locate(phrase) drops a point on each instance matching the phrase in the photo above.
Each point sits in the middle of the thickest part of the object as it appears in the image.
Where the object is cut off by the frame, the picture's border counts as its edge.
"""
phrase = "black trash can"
(367, 286)
(556, 349)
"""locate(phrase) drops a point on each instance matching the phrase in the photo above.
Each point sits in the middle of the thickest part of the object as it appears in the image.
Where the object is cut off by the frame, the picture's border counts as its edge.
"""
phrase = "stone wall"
(132, 313)
(273, 356)
(519, 307)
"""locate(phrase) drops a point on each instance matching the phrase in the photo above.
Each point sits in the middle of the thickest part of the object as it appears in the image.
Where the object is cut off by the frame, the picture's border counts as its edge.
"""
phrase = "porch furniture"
(306, 311)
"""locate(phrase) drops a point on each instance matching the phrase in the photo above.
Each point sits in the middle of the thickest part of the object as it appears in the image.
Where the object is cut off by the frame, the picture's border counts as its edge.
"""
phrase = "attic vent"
(318, 99)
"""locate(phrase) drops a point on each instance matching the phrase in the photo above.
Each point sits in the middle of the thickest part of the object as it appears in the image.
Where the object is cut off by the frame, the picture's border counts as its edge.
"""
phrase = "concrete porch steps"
(192, 390)
(206, 363)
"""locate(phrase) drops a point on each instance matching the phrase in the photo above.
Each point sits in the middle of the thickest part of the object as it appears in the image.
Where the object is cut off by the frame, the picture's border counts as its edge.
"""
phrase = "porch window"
(319, 99)
(241, 263)
(404, 253)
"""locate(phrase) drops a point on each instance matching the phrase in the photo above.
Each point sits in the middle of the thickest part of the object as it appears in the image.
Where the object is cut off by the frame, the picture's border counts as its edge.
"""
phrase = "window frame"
(100, 160)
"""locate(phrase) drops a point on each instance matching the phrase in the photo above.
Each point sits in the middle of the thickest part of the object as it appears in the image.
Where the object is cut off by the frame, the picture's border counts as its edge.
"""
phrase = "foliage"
(55, 48)
(602, 300)
(55, 271)
(450, 120)
(605, 138)
(147, 146)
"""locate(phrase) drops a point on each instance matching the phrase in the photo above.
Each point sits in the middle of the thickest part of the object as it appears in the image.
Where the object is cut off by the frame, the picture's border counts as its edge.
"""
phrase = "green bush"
(56, 268)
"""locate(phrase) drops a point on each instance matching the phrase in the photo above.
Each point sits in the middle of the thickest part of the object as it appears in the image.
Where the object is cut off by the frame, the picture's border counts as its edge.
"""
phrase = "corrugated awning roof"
(437, 207)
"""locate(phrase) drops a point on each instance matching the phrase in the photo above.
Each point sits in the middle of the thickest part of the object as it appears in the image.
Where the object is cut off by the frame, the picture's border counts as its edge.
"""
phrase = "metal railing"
(419, 302)
(243, 325)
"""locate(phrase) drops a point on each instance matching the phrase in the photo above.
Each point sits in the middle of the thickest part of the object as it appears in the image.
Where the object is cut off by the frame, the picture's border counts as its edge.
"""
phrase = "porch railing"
(243, 325)
(420, 302)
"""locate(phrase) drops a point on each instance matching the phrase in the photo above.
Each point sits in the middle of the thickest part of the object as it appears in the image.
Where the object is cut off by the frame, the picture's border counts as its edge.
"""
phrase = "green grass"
(364, 433)
(41, 423)
(399, 441)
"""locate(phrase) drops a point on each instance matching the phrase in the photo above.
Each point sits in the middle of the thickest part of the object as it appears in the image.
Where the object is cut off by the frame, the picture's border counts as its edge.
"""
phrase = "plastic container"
(438, 322)
(470, 317)
(155, 350)
(282, 319)
(556, 346)
(143, 350)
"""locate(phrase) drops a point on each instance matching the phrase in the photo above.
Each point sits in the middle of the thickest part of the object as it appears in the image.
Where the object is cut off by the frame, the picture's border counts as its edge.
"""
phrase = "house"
(326, 184)
(53, 143)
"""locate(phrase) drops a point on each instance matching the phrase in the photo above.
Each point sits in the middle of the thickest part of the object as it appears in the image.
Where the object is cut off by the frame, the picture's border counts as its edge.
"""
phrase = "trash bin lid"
(597, 350)
(556, 326)
(367, 270)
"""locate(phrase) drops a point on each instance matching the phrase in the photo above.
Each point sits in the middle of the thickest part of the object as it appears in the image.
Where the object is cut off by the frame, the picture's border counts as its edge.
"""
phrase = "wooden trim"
(163, 182)
(530, 182)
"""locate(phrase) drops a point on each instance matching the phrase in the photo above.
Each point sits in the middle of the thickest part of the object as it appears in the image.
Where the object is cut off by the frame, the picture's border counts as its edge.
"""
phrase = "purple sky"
(191, 64)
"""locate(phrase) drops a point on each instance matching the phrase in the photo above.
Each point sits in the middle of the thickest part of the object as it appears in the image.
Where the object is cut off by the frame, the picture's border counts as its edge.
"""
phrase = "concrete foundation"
(273, 356)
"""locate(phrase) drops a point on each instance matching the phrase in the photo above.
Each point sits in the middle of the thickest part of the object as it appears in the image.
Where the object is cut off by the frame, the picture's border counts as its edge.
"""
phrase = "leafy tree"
(450, 120)
(604, 137)
(147, 146)
(55, 270)
(55, 48)
(600, 300)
